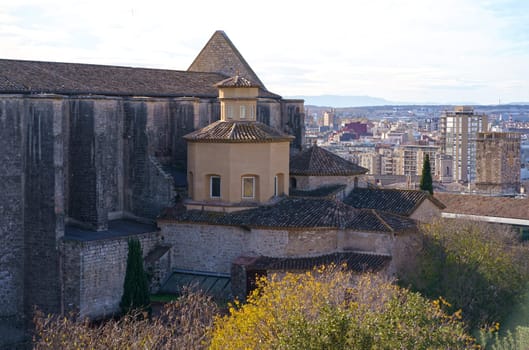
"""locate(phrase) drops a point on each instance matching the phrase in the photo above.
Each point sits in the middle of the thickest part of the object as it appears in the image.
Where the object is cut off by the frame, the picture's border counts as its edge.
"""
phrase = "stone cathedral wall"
(82, 160)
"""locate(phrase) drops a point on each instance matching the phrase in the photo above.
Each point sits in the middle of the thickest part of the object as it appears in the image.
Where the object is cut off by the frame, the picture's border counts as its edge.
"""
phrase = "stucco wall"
(404, 252)
(426, 212)
(231, 161)
(376, 242)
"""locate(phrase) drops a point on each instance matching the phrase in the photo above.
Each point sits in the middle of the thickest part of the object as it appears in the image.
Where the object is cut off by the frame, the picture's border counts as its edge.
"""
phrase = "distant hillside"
(343, 101)
(339, 101)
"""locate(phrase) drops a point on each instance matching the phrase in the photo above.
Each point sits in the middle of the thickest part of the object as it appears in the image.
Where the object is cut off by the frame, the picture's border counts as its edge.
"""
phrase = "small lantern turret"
(238, 99)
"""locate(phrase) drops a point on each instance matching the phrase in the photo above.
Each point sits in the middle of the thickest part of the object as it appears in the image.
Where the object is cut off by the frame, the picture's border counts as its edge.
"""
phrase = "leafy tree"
(510, 340)
(337, 310)
(136, 287)
(479, 268)
(426, 183)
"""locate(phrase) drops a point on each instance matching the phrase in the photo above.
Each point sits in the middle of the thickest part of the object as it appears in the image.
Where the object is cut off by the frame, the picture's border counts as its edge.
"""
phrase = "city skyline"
(402, 51)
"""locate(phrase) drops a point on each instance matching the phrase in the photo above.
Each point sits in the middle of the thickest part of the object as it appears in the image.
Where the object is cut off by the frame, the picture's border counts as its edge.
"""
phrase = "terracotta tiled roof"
(237, 132)
(301, 213)
(236, 81)
(401, 202)
(317, 161)
(219, 55)
(355, 261)
(30, 77)
(485, 206)
(321, 192)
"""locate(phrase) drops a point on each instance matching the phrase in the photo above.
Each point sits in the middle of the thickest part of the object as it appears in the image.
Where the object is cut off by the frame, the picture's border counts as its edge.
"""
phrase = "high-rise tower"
(498, 162)
(459, 130)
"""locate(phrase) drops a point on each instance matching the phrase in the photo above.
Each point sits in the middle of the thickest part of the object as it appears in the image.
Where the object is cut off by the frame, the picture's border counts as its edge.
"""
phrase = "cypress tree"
(426, 183)
(135, 288)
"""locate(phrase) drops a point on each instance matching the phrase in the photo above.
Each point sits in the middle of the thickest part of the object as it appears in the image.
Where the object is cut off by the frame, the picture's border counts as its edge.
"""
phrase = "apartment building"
(458, 130)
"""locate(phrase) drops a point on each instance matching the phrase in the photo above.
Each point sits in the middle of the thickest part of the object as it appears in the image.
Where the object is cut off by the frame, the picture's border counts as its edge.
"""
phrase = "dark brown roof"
(320, 192)
(32, 77)
(237, 132)
(506, 207)
(401, 202)
(298, 213)
(219, 55)
(317, 161)
(75, 78)
(355, 261)
(236, 81)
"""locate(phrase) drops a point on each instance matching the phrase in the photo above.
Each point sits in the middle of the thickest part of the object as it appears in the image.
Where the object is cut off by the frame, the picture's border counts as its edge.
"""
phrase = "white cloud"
(407, 50)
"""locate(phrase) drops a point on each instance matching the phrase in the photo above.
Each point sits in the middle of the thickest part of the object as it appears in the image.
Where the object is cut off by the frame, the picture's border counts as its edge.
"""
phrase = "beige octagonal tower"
(237, 162)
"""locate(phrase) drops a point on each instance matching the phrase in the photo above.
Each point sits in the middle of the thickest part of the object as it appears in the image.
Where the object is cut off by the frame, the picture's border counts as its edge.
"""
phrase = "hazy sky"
(406, 50)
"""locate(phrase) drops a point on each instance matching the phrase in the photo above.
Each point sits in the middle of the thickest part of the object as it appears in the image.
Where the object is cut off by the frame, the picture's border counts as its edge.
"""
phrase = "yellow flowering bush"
(334, 309)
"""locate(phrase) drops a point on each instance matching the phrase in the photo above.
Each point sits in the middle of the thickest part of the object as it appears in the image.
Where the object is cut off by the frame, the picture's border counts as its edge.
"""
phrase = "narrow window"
(229, 110)
(243, 112)
(275, 186)
(190, 185)
(214, 186)
(252, 112)
(248, 187)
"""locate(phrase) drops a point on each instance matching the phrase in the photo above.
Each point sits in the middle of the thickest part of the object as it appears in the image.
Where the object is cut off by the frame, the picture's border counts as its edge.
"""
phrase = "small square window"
(248, 187)
(214, 186)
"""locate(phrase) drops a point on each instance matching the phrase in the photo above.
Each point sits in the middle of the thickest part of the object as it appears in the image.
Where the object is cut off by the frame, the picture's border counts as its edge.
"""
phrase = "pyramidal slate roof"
(316, 161)
(299, 213)
(219, 55)
(232, 131)
(37, 77)
(401, 202)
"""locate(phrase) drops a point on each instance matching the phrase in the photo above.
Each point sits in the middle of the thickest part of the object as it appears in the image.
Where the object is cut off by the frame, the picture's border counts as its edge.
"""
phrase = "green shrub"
(136, 287)
(479, 268)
